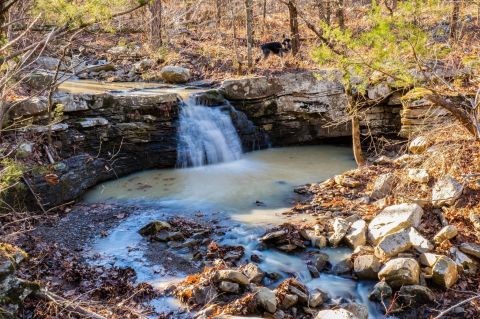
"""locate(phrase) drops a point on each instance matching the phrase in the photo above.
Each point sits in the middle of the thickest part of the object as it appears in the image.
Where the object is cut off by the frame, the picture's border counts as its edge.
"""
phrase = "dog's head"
(287, 44)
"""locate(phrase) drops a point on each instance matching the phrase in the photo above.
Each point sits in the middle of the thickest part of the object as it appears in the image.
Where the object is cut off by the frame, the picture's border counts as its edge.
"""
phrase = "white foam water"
(206, 135)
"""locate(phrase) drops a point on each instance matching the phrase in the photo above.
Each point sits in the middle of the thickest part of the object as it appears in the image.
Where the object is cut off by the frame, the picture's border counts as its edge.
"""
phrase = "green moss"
(11, 173)
(415, 94)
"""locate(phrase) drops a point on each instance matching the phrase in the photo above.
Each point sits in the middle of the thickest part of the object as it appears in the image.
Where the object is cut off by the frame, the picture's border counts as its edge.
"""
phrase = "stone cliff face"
(99, 137)
(297, 108)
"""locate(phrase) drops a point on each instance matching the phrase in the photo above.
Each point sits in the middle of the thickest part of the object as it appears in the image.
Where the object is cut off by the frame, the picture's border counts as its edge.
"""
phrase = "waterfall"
(206, 135)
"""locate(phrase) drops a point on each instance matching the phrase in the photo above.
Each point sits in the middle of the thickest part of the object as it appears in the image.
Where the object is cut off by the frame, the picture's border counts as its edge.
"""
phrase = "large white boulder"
(175, 74)
(446, 191)
(392, 219)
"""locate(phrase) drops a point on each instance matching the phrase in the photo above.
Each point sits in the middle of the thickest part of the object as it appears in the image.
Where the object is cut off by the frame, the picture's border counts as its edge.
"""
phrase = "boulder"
(266, 299)
(230, 287)
(231, 275)
(415, 295)
(446, 233)
(343, 266)
(418, 175)
(367, 267)
(394, 218)
(175, 74)
(400, 271)
(380, 291)
(254, 273)
(321, 261)
(383, 185)
(153, 228)
(360, 311)
(444, 272)
(470, 249)
(418, 145)
(340, 229)
(335, 314)
(357, 234)
(274, 236)
(446, 191)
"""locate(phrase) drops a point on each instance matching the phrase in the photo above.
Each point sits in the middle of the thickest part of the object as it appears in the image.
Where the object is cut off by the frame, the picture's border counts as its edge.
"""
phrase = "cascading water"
(206, 135)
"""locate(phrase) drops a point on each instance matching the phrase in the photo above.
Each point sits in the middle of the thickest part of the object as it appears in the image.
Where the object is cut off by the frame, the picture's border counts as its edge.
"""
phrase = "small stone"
(444, 272)
(302, 297)
(415, 295)
(288, 301)
(230, 287)
(347, 181)
(418, 175)
(254, 273)
(360, 311)
(343, 266)
(446, 191)
(313, 271)
(266, 299)
(428, 259)
(287, 248)
(231, 275)
(400, 271)
(153, 228)
(357, 234)
(394, 218)
(470, 249)
(446, 233)
(316, 299)
(274, 236)
(467, 264)
(383, 185)
(418, 145)
(321, 261)
(367, 267)
(340, 229)
(380, 291)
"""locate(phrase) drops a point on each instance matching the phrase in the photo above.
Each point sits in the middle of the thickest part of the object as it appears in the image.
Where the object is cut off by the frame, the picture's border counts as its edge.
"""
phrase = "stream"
(244, 193)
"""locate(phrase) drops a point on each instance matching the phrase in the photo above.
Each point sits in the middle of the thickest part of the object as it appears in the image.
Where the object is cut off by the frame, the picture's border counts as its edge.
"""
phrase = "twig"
(68, 306)
(39, 203)
(443, 313)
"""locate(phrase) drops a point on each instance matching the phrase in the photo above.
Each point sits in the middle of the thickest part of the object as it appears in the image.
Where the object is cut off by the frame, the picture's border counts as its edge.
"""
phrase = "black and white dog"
(277, 48)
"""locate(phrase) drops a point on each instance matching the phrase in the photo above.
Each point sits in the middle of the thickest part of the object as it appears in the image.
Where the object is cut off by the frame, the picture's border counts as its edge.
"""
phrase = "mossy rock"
(415, 94)
(153, 228)
(15, 254)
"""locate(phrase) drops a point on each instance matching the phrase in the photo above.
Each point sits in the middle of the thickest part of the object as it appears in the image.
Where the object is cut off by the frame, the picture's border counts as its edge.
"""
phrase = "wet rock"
(347, 181)
(230, 287)
(153, 228)
(316, 298)
(367, 267)
(288, 301)
(400, 271)
(321, 261)
(340, 229)
(231, 275)
(175, 74)
(446, 191)
(274, 236)
(266, 299)
(316, 239)
(444, 272)
(415, 295)
(335, 314)
(446, 233)
(256, 258)
(418, 175)
(287, 247)
(210, 98)
(313, 271)
(383, 185)
(418, 145)
(360, 311)
(394, 218)
(357, 234)
(470, 249)
(467, 264)
(395, 243)
(380, 291)
(302, 296)
(343, 266)
(274, 276)
(254, 273)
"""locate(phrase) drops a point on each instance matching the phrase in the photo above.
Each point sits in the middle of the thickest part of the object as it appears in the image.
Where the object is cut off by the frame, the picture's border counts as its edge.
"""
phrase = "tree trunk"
(156, 24)
(218, 11)
(356, 142)
(324, 11)
(341, 14)
(249, 23)
(293, 19)
(454, 19)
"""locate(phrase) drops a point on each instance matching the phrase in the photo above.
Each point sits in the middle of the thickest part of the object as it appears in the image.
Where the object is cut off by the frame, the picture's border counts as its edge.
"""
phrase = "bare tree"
(454, 19)
(249, 24)
(341, 14)
(156, 24)
(293, 21)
